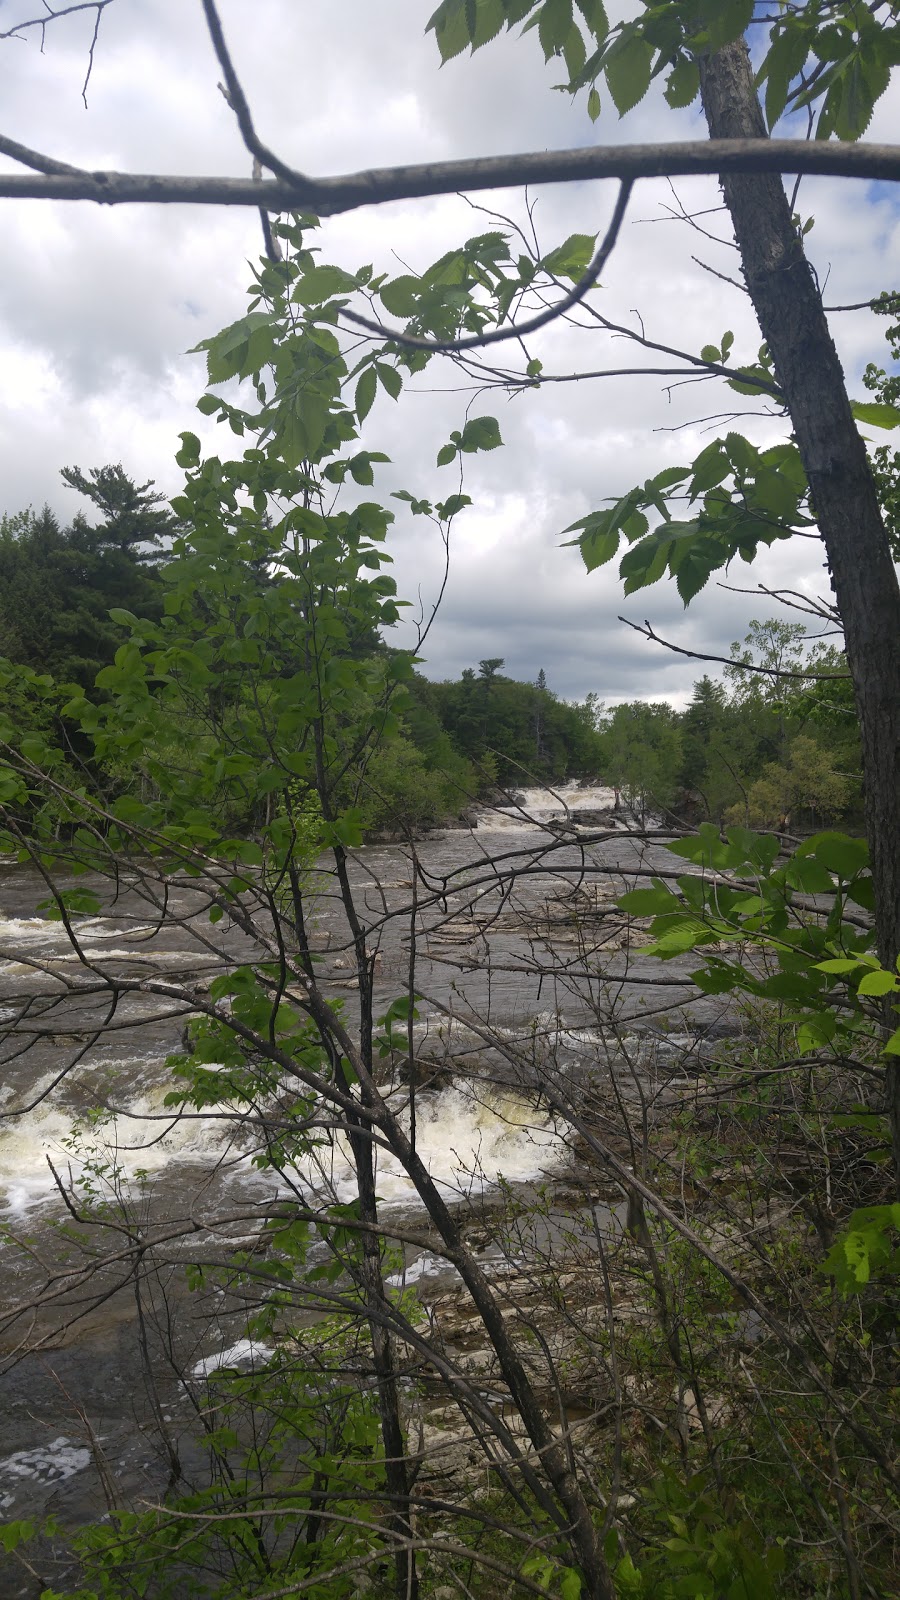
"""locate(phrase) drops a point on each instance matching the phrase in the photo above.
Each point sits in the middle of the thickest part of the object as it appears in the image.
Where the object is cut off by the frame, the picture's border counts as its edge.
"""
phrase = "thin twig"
(476, 341)
(729, 661)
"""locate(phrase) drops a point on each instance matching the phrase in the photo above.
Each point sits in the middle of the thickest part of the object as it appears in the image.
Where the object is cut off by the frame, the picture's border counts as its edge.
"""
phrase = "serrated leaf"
(683, 83)
(480, 433)
(878, 983)
(628, 69)
(401, 295)
(451, 25)
(694, 571)
(321, 283)
(452, 507)
(598, 547)
(876, 414)
(365, 393)
(726, 20)
(554, 22)
(782, 65)
(572, 258)
(390, 379)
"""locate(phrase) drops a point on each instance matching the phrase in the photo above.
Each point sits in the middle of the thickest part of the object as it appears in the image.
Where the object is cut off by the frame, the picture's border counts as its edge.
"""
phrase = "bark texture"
(789, 309)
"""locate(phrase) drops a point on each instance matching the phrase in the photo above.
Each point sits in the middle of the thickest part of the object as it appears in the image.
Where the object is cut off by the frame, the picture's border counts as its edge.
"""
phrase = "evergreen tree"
(133, 517)
(58, 585)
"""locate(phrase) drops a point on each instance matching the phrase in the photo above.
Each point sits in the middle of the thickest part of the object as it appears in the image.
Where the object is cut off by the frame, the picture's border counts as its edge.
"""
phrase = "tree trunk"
(396, 1471)
(789, 309)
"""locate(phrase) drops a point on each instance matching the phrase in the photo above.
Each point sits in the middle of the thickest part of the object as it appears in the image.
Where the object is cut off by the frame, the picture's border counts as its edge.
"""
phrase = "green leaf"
(572, 258)
(452, 506)
(401, 295)
(876, 414)
(866, 1248)
(446, 454)
(695, 568)
(686, 936)
(458, 23)
(839, 964)
(390, 379)
(480, 433)
(782, 65)
(12, 1534)
(598, 547)
(554, 23)
(683, 83)
(628, 67)
(878, 983)
(704, 847)
(365, 393)
(808, 875)
(189, 454)
(840, 853)
(570, 1584)
(816, 1032)
(322, 283)
(648, 902)
(726, 20)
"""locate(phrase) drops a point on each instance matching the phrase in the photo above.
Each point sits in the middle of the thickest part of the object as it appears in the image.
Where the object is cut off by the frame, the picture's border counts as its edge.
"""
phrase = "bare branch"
(728, 661)
(40, 163)
(238, 102)
(346, 192)
(50, 15)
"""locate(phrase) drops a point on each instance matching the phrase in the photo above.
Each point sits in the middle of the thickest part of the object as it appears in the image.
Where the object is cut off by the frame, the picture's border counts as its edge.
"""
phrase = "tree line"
(778, 746)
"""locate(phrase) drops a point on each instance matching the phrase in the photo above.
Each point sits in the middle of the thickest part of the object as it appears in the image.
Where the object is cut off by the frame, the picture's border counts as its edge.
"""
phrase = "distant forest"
(773, 748)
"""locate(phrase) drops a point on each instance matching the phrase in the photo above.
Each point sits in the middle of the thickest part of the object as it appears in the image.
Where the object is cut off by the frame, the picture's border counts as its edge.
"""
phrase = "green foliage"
(530, 733)
(642, 754)
(258, 719)
(883, 413)
(866, 1249)
(832, 56)
(58, 586)
(807, 782)
(479, 433)
(706, 1554)
(745, 899)
(744, 498)
(293, 1423)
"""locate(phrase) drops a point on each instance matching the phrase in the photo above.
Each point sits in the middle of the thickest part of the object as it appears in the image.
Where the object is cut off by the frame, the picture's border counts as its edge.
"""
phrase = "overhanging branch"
(348, 191)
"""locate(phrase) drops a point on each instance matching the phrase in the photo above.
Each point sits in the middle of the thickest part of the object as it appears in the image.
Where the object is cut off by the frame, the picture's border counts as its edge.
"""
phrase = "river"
(516, 937)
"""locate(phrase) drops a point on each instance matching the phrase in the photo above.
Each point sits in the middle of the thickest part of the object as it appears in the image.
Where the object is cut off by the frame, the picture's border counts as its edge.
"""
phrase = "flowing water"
(480, 957)
(508, 917)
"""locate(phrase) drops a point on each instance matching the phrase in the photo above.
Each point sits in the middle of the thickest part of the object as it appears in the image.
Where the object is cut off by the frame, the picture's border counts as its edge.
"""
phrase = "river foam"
(467, 1141)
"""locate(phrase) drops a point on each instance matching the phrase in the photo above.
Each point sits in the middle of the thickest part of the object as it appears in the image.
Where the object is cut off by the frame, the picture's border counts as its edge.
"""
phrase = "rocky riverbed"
(526, 968)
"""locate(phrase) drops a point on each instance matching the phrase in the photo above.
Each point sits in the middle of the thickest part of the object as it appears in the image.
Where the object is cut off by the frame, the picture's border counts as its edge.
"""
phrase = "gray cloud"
(97, 309)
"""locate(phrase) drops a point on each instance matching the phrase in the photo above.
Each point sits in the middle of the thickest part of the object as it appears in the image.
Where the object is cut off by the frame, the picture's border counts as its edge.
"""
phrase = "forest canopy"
(755, 748)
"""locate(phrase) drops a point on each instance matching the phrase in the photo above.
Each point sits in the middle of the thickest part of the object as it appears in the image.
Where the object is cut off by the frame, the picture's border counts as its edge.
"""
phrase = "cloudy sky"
(98, 309)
